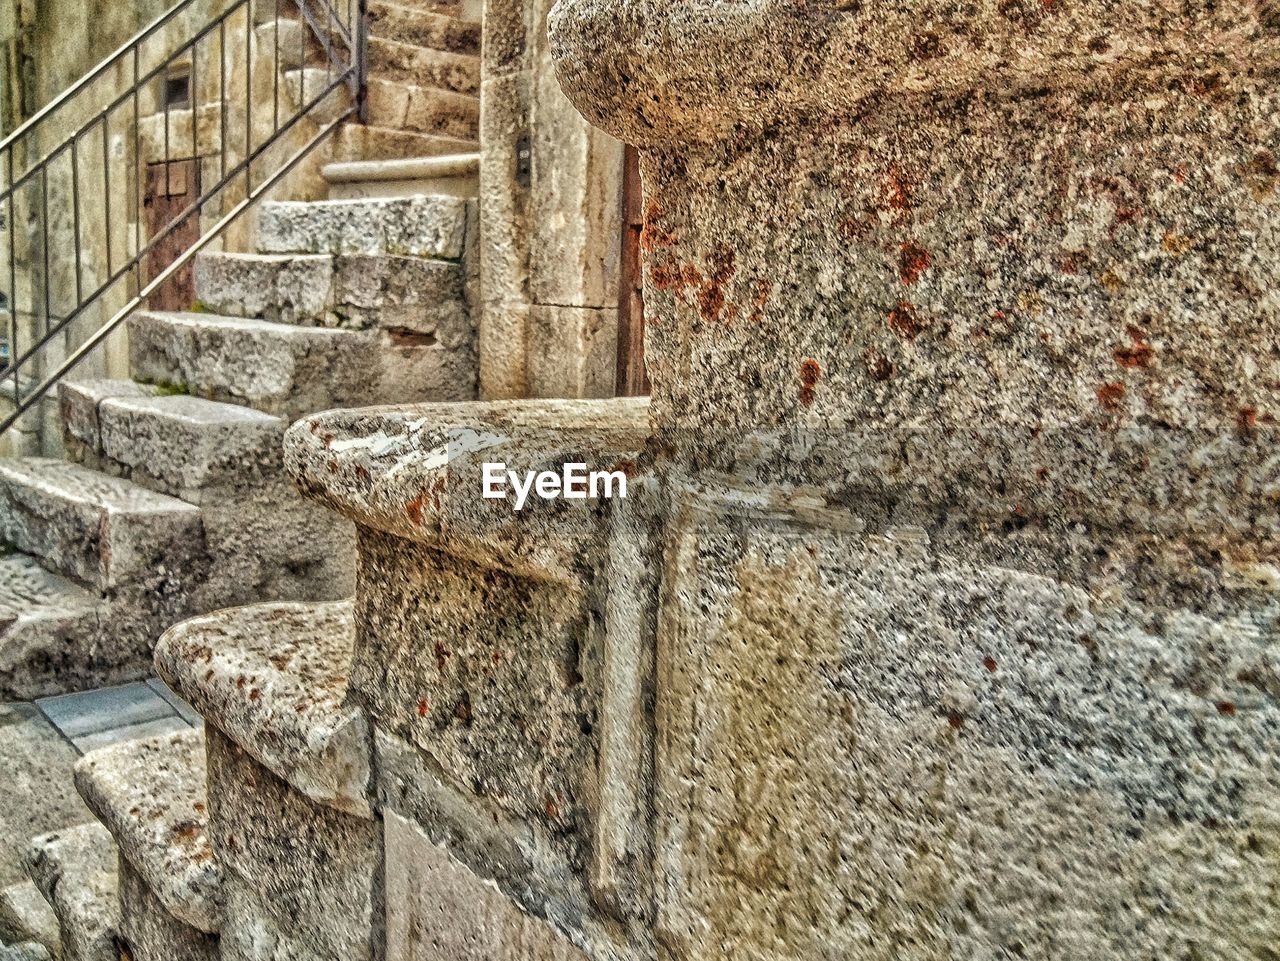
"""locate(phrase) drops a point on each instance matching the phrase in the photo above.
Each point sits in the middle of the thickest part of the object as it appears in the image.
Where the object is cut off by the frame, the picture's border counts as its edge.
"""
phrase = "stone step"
(25, 951)
(178, 443)
(273, 679)
(424, 28)
(150, 795)
(103, 531)
(356, 142)
(424, 67)
(357, 292)
(77, 872)
(280, 369)
(423, 109)
(456, 175)
(405, 226)
(26, 917)
(45, 621)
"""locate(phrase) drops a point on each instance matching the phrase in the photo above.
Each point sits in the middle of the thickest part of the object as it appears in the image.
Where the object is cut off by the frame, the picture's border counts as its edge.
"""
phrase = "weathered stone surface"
(573, 352)
(278, 368)
(99, 529)
(75, 870)
(424, 28)
(187, 443)
(417, 473)
(80, 400)
(273, 678)
(355, 143)
(392, 59)
(150, 794)
(285, 288)
(427, 110)
(965, 612)
(252, 934)
(436, 908)
(311, 869)
(25, 951)
(26, 917)
(408, 226)
(150, 931)
(45, 622)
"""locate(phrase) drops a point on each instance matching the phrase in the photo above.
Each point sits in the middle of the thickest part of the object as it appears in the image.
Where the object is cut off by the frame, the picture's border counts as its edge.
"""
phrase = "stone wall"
(551, 222)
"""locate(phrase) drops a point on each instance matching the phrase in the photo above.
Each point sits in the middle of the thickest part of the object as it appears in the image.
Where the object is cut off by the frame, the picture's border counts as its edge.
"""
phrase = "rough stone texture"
(262, 543)
(407, 227)
(251, 934)
(438, 909)
(75, 870)
(967, 609)
(25, 951)
(391, 59)
(551, 241)
(410, 295)
(80, 399)
(273, 678)
(417, 473)
(573, 351)
(25, 917)
(44, 623)
(101, 530)
(310, 870)
(424, 28)
(150, 932)
(150, 794)
(277, 368)
(429, 110)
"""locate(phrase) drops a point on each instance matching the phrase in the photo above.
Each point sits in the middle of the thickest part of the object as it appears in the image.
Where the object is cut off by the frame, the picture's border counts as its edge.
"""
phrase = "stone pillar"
(551, 222)
(963, 336)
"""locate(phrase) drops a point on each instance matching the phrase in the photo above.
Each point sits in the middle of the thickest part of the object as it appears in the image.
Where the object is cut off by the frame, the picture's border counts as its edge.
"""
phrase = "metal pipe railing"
(67, 214)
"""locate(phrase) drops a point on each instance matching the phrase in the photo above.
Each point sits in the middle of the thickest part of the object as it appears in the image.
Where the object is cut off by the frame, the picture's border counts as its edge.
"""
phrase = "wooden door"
(633, 379)
(170, 189)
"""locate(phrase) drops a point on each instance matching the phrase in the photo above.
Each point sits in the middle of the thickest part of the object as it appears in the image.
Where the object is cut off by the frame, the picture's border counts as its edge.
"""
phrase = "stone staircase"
(174, 501)
(348, 798)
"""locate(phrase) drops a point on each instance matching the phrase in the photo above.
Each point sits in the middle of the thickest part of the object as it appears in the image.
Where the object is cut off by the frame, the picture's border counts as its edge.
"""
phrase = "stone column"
(551, 222)
(964, 337)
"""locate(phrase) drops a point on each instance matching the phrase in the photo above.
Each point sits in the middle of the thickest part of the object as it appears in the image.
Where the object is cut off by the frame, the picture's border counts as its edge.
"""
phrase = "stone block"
(404, 226)
(75, 870)
(494, 677)
(150, 794)
(866, 744)
(79, 402)
(573, 352)
(424, 28)
(402, 62)
(101, 530)
(273, 678)
(437, 908)
(150, 932)
(26, 917)
(314, 871)
(45, 622)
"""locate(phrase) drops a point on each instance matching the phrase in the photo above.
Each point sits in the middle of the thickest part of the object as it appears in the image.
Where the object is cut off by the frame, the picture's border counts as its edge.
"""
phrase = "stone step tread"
(425, 28)
(25, 951)
(273, 678)
(150, 794)
(29, 591)
(423, 108)
(188, 443)
(391, 59)
(408, 168)
(25, 916)
(77, 872)
(419, 226)
(90, 526)
(373, 142)
(280, 369)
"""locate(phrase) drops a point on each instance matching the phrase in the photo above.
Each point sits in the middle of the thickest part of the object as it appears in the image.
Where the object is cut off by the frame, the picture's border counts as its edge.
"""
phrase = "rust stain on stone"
(415, 506)
(1111, 396)
(879, 367)
(913, 260)
(810, 374)
(904, 321)
(1138, 354)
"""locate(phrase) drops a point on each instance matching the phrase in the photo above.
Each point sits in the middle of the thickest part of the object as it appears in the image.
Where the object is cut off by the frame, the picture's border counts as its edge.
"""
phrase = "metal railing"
(226, 97)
